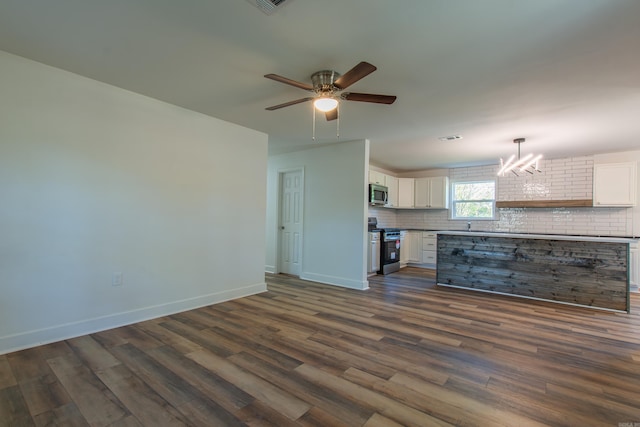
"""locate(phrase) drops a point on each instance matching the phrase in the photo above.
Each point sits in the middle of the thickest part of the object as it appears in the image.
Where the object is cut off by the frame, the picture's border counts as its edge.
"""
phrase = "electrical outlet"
(116, 278)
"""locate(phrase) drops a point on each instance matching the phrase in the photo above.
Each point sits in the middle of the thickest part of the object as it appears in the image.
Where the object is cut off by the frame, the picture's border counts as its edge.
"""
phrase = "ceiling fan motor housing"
(323, 81)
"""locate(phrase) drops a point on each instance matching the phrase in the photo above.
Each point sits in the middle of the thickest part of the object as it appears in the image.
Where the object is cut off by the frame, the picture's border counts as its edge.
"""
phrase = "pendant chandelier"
(517, 165)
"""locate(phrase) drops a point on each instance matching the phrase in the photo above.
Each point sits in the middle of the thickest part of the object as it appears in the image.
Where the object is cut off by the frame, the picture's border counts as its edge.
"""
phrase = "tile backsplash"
(580, 221)
(560, 179)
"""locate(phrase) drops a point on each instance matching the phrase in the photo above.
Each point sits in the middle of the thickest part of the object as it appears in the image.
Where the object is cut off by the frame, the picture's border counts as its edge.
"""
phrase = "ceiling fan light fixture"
(327, 86)
(325, 104)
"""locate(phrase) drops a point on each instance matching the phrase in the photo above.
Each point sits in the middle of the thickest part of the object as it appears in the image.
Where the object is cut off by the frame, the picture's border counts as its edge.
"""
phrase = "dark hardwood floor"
(404, 353)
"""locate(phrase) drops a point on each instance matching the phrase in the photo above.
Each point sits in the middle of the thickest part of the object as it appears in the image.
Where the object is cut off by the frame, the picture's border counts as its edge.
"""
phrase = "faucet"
(469, 226)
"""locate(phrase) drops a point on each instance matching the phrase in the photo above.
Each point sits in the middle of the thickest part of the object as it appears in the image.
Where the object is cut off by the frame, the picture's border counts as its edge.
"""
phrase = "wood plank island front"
(578, 270)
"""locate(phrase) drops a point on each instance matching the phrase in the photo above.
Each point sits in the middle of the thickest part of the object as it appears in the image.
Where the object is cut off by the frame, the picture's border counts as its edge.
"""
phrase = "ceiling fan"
(328, 86)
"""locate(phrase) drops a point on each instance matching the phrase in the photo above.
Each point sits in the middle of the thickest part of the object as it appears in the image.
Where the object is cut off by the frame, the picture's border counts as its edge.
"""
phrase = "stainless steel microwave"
(378, 194)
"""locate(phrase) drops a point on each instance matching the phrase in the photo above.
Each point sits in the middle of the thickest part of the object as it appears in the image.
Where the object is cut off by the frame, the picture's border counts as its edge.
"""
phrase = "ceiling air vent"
(450, 137)
(268, 6)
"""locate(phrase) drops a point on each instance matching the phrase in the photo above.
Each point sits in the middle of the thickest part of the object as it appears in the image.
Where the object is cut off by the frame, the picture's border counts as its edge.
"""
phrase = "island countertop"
(575, 238)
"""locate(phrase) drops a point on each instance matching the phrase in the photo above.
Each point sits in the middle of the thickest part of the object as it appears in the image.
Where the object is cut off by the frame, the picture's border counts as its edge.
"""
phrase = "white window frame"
(454, 201)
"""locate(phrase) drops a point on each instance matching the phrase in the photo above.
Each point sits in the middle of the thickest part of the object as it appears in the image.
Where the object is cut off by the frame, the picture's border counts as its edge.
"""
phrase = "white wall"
(335, 211)
(96, 180)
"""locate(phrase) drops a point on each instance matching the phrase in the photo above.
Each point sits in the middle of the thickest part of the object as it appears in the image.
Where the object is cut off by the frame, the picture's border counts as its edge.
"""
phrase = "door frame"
(281, 173)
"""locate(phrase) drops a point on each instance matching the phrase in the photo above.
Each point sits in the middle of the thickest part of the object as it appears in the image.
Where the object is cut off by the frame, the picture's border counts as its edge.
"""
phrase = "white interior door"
(291, 200)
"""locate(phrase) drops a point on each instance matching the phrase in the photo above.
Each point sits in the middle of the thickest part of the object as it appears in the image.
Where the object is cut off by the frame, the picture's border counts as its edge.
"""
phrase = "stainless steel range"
(390, 251)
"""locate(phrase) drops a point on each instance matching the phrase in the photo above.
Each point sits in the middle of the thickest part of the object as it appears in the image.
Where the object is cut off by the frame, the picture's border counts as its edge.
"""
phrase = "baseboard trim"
(21, 341)
(336, 281)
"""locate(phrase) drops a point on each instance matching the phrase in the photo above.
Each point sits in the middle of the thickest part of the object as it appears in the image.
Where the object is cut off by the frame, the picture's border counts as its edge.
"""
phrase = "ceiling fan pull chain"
(338, 122)
(313, 127)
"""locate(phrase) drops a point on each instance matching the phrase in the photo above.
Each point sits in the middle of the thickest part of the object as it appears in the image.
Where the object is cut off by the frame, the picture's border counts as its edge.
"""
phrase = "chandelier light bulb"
(531, 163)
(325, 104)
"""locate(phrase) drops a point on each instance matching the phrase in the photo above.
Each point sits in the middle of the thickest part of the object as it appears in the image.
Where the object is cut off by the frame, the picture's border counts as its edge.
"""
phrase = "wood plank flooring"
(404, 353)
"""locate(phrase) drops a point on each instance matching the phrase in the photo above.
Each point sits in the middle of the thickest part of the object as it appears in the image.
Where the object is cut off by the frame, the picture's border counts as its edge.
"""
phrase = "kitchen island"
(579, 270)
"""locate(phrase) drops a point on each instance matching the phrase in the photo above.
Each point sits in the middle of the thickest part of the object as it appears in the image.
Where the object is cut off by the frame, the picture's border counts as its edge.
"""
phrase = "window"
(473, 199)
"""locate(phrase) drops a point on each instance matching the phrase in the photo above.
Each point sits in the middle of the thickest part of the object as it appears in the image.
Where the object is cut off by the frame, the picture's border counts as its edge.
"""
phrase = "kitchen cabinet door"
(376, 177)
(405, 242)
(374, 256)
(405, 192)
(392, 184)
(615, 184)
(421, 189)
(415, 247)
(432, 192)
(439, 192)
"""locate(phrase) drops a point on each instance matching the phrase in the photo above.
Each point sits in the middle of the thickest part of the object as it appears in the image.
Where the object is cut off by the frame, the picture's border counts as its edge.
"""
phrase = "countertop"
(606, 239)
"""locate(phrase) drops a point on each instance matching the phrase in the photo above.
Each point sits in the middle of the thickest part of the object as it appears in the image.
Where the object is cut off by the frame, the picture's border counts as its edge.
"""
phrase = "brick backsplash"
(560, 179)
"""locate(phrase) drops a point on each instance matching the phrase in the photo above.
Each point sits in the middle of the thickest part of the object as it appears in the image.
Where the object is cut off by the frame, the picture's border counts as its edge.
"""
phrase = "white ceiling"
(564, 74)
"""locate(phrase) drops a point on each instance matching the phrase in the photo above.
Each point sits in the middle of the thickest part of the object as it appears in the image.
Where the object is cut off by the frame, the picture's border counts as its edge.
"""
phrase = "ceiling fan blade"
(369, 97)
(286, 104)
(287, 81)
(361, 70)
(331, 115)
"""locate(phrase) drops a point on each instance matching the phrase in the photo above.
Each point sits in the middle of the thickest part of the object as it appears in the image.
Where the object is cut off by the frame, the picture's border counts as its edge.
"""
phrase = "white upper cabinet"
(376, 177)
(405, 192)
(422, 193)
(432, 192)
(440, 192)
(614, 184)
(392, 184)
